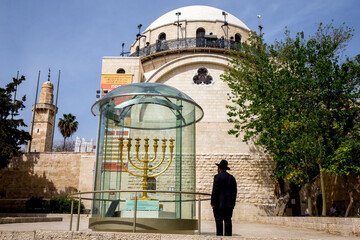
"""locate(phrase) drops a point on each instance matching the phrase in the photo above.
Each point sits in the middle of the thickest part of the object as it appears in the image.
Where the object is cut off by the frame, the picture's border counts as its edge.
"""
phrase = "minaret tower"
(44, 119)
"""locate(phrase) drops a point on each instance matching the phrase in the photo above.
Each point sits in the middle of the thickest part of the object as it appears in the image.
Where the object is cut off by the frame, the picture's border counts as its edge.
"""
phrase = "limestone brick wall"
(211, 131)
(50, 175)
(155, 63)
(43, 119)
(45, 175)
(43, 126)
(46, 94)
(338, 226)
(254, 183)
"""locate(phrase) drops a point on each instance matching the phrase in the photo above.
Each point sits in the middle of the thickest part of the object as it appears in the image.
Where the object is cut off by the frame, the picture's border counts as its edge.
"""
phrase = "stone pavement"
(241, 230)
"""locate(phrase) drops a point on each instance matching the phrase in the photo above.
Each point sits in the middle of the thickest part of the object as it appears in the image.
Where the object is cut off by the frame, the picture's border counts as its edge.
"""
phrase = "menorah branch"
(121, 145)
(146, 160)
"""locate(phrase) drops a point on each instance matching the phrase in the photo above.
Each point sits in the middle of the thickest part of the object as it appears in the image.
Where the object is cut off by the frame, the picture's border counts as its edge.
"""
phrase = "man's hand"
(212, 205)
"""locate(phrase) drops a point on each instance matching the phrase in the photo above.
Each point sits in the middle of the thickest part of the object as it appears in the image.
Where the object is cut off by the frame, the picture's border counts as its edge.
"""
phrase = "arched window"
(200, 32)
(237, 43)
(162, 36)
(200, 37)
(202, 77)
(120, 70)
(151, 183)
(237, 38)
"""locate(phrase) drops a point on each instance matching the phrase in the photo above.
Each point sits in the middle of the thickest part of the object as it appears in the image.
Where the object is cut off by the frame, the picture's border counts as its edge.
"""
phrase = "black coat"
(224, 191)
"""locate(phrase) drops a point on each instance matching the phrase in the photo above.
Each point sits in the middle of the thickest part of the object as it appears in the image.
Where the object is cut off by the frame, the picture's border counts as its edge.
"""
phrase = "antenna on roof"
(178, 25)
(226, 24)
(224, 14)
(138, 37)
(122, 51)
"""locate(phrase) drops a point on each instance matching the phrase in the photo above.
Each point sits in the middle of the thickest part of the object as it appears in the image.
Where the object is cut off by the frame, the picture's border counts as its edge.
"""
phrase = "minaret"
(44, 119)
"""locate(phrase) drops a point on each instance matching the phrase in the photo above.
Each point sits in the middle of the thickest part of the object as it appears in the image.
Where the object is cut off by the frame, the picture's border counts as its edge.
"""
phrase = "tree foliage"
(67, 126)
(296, 100)
(11, 136)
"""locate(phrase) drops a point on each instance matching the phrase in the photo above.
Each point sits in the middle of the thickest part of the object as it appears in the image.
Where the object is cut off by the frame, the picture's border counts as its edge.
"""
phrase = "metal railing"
(78, 196)
(203, 42)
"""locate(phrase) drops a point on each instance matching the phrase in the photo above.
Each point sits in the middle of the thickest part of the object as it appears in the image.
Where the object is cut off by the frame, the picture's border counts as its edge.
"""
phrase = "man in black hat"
(223, 198)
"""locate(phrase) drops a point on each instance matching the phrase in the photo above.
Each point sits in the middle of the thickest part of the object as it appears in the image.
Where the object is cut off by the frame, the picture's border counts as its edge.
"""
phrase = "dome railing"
(202, 42)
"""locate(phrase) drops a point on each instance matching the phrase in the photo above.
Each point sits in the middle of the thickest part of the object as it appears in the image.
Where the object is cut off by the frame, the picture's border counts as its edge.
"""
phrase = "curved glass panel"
(149, 106)
(146, 141)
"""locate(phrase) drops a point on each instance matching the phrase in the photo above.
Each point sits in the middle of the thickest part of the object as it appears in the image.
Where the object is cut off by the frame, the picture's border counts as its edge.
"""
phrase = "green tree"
(67, 126)
(11, 137)
(346, 163)
(296, 100)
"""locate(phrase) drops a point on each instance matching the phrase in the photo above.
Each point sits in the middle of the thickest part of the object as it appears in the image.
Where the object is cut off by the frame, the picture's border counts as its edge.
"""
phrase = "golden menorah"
(146, 160)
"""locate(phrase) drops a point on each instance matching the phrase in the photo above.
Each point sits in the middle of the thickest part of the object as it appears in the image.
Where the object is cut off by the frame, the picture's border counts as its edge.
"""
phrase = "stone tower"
(43, 120)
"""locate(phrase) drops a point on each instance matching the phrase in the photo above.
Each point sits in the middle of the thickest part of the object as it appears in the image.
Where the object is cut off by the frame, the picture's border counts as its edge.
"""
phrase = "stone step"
(8, 220)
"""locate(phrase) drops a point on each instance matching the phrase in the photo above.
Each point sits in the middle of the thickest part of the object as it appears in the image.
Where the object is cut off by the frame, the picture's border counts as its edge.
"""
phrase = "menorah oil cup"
(145, 161)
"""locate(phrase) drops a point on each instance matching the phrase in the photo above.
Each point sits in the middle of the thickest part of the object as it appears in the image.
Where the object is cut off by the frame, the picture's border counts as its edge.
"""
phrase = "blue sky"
(74, 35)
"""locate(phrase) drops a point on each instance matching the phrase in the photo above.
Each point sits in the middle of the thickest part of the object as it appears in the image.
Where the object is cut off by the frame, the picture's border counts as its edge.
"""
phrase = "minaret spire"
(49, 75)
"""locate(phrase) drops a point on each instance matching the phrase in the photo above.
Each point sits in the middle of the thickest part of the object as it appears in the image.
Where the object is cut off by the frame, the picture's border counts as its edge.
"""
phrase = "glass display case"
(145, 155)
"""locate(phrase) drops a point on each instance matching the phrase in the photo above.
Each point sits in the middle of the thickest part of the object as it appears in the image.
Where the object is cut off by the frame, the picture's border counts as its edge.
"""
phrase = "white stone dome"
(196, 13)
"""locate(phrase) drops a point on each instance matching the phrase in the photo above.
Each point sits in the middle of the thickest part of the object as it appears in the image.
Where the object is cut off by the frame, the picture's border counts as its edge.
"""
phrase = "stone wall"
(254, 183)
(45, 175)
(51, 175)
(339, 226)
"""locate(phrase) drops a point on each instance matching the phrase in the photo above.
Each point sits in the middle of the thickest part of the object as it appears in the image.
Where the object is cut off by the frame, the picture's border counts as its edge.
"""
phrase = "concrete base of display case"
(184, 226)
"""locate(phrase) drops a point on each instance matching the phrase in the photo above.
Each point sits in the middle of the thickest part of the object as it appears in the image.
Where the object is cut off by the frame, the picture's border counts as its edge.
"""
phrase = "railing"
(78, 195)
(165, 45)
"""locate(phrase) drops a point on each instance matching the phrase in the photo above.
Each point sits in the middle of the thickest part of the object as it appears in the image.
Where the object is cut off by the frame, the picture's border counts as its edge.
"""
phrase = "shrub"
(63, 205)
(55, 205)
(36, 204)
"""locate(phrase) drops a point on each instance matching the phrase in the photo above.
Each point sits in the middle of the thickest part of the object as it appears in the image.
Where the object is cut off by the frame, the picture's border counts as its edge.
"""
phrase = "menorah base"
(145, 198)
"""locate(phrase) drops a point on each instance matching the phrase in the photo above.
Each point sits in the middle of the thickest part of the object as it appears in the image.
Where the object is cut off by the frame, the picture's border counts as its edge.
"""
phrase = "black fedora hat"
(223, 165)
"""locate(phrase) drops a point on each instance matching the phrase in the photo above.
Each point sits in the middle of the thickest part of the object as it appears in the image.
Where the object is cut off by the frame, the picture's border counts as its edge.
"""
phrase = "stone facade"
(44, 112)
(176, 66)
(45, 175)
(51, 175)
(254, 183)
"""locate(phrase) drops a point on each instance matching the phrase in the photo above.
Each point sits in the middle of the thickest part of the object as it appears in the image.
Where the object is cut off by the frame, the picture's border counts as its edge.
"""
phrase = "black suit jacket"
(224, 191)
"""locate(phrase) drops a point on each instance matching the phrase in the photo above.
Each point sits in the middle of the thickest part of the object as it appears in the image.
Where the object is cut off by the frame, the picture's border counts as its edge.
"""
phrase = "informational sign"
(111, 161)
(148, 205)
(112, 81)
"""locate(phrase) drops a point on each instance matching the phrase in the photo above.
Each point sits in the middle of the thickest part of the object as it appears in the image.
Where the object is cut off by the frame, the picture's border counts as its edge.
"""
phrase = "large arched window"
(120, 70)
(200, 37)
(237, 43)
(202, 77)
(162, 36)
(237, 38)
(200, 32)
